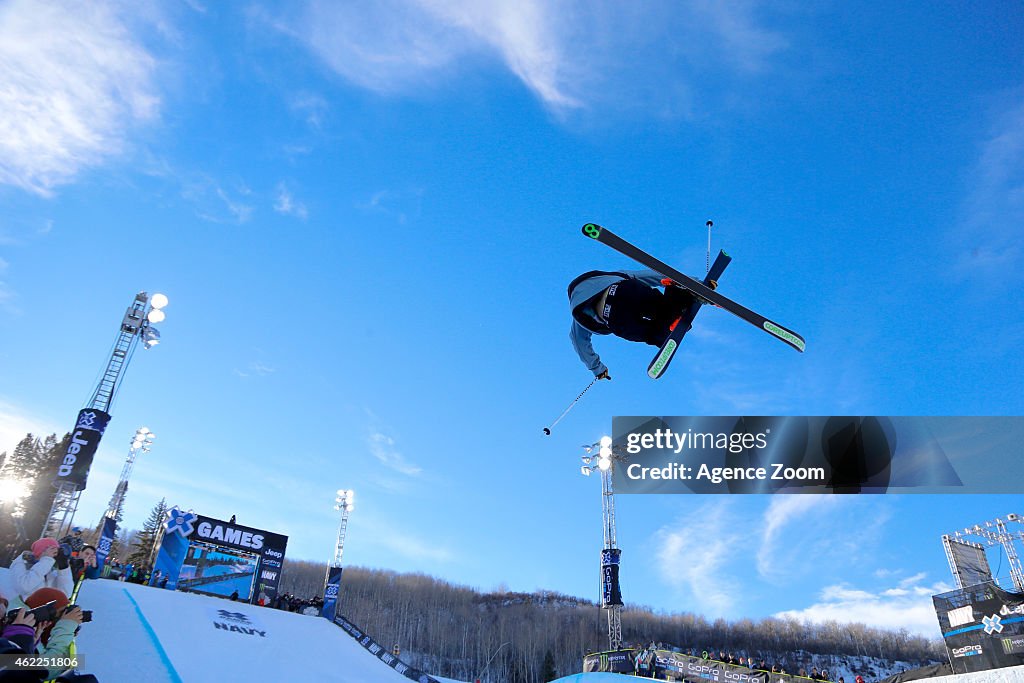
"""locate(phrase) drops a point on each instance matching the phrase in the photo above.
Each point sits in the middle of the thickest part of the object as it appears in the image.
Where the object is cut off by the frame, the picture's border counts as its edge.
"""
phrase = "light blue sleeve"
(581, 337)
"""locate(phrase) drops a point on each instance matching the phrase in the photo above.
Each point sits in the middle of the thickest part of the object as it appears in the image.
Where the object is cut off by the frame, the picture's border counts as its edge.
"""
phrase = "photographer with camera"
(46, 565)
(54, 623)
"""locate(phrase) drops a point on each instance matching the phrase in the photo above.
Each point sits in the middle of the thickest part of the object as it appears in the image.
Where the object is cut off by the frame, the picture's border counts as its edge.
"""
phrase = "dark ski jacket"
(583, 294)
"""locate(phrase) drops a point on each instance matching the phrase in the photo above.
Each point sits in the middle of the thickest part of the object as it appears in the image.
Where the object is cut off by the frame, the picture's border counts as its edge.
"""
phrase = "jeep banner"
(983, 627)
(85, 438)
(610, 593)
(677, 666)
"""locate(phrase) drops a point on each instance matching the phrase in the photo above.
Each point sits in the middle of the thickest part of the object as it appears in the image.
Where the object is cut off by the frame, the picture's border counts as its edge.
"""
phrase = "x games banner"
(983, 627)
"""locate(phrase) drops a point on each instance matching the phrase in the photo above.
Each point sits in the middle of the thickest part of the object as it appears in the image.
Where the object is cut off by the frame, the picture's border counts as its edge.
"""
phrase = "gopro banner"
(983, 627)
(106, 542)
(381, 653)
(85, 437)
(610, 593)
(331, 590)
(864, 454)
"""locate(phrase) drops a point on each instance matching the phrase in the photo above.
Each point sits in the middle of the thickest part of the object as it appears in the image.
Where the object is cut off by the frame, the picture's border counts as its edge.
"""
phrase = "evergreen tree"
(37, 506)
(143, 546)
(547, 669)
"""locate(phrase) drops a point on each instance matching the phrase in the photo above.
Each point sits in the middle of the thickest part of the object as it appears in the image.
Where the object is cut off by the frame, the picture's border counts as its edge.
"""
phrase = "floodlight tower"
(611, 599)
(136, 326)
(141, 443)
(344, 502)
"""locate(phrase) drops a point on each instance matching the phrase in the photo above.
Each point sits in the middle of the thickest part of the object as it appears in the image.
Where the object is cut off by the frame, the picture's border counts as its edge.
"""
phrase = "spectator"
(234, 596)
(84, 565)
(73, 541)
(163, 581)
(52, 637)
(45, 565)
(858, 679)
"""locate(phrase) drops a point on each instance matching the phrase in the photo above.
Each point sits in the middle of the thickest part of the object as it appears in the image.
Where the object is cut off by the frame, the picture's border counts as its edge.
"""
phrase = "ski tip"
(791, 338)
(592, 230)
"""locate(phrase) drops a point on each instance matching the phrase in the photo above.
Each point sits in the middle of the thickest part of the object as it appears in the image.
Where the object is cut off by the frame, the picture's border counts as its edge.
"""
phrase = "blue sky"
(365, 219)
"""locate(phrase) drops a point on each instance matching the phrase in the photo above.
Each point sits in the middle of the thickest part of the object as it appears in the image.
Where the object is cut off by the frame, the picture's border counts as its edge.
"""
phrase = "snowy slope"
(146, 634)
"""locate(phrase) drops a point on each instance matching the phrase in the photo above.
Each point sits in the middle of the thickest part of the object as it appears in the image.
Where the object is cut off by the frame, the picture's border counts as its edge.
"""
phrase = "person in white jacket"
(43, 566)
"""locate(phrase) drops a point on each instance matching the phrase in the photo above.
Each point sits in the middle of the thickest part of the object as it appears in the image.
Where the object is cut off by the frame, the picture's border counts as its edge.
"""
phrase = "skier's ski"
(659, 364)
(594, 231)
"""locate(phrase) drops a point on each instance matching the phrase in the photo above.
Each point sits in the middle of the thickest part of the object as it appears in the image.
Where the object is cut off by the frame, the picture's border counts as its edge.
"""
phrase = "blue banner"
(331, 589)
(106, 542)
(174, 546)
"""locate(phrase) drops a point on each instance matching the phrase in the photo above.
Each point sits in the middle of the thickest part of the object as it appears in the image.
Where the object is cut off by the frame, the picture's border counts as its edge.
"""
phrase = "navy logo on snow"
(993, 624)
(233, 616)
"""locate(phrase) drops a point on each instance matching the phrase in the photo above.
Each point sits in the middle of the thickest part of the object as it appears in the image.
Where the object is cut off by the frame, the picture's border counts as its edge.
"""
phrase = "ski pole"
(709, 224)
(547, 430)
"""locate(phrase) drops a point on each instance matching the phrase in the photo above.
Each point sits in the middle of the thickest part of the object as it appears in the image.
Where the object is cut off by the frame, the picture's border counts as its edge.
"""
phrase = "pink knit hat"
(42, 545)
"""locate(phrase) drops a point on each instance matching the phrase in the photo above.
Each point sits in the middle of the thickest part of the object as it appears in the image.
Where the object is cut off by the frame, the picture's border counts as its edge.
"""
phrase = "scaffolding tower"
(990, 534)
(135, 326)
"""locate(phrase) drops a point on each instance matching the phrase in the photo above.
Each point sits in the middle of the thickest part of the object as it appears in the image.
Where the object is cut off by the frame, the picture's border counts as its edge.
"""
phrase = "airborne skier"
(627, 304)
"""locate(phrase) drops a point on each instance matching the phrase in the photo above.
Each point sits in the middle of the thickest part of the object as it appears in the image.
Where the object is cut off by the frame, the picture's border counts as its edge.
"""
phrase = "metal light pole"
(611, 597)
(137, 325)
(344, 502)
(141, 443)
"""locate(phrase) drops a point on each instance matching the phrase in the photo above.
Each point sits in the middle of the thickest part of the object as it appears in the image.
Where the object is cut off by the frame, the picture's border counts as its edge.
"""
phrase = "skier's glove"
(604, 375)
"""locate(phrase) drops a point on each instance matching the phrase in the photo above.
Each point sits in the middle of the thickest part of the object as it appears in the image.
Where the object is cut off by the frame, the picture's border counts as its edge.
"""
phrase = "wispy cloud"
(398, 204)
(908, 605)
(383, 448)
(312, 108)
(285, 203)
(989, 234)
(73, 83)
(255, 368)
(702, 576)
(831, 529)
(213, 202)
(571, 55)
(782, 511)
